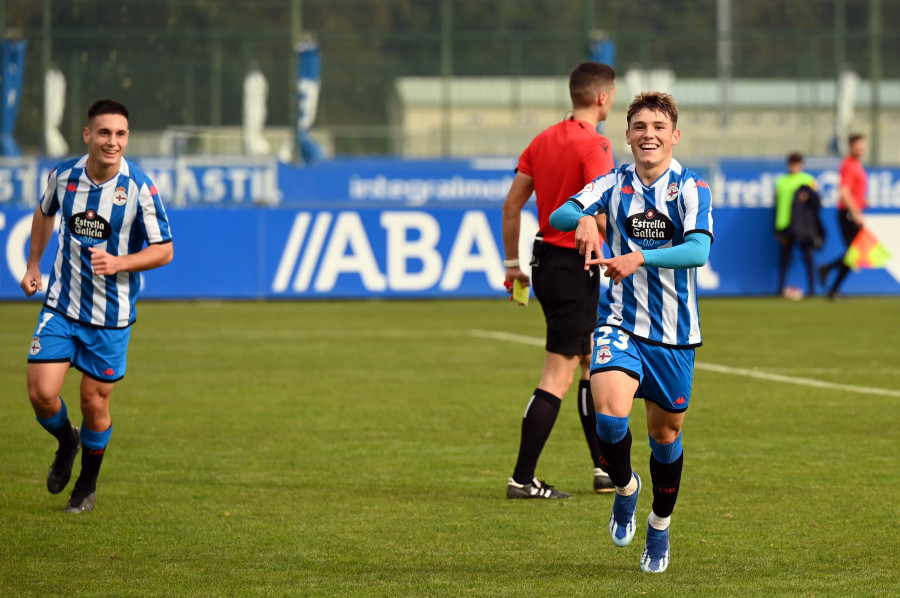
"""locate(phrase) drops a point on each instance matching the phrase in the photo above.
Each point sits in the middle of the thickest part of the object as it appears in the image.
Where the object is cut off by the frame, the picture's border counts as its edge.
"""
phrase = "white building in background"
(498, 116)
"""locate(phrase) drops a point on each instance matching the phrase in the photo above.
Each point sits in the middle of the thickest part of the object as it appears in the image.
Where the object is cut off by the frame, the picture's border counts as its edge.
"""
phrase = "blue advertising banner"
(357, 252)
(193, 181)
(389, 181)
(240, 181)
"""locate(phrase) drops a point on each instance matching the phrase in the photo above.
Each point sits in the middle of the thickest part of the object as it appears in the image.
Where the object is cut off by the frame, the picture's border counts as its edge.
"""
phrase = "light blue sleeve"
(566, 216)
(693, 253)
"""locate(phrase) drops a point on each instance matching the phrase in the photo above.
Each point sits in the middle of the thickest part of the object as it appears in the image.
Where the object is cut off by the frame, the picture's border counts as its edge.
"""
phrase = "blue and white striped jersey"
(658, 305)
(120, 216)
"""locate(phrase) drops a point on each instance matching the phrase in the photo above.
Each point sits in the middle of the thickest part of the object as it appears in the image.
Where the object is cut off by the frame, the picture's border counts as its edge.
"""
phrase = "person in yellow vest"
(786, 188)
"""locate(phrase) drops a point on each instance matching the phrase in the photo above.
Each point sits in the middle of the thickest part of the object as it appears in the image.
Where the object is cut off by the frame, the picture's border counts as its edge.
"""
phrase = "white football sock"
(657, 522)
(630, 489)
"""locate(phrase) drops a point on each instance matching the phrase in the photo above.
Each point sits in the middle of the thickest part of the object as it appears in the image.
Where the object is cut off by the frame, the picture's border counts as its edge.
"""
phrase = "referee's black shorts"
(568, 294)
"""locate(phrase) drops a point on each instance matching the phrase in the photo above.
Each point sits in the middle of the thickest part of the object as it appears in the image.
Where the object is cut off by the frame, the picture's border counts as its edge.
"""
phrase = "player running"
(659, 230)
(109, 210)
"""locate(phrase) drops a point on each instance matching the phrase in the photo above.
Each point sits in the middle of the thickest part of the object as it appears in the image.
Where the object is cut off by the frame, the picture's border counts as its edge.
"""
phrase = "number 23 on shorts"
(603, 338)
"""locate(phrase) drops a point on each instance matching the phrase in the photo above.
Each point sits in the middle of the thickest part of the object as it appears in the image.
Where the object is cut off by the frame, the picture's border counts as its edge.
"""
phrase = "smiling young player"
(659, 231)
(112, 227)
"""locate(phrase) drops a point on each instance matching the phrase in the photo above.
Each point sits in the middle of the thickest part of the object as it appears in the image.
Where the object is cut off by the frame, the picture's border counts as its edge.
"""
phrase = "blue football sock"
(666, 453)
(53, 423)
(95, 441)
(611, 429)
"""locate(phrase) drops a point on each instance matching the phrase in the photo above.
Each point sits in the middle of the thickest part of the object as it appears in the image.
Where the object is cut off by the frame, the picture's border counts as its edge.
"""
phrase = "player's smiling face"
(106, 137)
(651, 136)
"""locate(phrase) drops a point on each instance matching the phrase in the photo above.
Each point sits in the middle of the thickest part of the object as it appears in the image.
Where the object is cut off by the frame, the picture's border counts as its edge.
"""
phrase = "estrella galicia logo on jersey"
(651, 228)
(89, 228)
(120, 196)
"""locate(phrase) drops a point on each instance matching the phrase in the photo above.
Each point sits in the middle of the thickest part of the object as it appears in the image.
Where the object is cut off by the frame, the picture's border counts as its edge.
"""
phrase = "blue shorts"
(665, 374)
(101, 353)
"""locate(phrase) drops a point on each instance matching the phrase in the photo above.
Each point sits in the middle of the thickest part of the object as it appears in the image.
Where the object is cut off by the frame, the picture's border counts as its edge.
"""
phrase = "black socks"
(536, 427)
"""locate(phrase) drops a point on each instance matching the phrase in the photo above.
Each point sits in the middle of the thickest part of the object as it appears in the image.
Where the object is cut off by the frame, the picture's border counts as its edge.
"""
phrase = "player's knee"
(666, 451)
(94, 402)
(43, 395)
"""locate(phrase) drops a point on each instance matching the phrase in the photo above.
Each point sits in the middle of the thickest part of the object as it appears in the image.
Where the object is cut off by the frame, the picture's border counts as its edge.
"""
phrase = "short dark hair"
(656, 101)
(795, 158)
(589, 79)
(854, 137)
(106, 106)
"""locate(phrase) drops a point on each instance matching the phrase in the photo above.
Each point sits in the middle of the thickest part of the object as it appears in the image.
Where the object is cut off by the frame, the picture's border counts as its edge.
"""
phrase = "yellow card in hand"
(520, 293)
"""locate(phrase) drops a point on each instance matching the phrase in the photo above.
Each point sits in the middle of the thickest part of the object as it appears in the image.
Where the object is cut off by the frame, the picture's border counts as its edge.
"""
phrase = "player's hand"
(32, 283)
(587, 240)
(621, 266)
(103, 263)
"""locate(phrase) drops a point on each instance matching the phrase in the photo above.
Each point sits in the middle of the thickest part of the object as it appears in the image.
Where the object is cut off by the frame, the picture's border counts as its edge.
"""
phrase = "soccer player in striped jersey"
(659, 231)
(112, 226)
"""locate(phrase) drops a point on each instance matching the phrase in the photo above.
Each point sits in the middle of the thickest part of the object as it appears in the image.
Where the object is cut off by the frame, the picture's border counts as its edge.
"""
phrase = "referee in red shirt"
(851, 203)
(557, 164)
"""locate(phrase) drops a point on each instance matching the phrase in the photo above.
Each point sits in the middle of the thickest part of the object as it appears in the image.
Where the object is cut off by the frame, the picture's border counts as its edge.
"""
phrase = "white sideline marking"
(799, 381)
(711, 367)
(506, 336)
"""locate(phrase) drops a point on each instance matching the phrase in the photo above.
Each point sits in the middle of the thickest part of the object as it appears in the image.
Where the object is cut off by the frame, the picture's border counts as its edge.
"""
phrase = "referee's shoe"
(534, 489)
(602, 483)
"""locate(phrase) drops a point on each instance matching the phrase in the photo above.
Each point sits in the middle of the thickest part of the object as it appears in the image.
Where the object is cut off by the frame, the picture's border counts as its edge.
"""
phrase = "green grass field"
(362, 449)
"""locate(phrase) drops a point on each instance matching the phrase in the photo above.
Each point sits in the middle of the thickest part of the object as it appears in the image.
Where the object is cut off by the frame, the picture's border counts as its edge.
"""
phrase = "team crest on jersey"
(35, 346)
(650, 228)
(671, 192)
(603, 355)
(120, 196)
(89, 228)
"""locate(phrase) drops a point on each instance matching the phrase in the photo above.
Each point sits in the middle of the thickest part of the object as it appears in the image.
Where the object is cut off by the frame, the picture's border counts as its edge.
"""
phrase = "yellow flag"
(866, 251)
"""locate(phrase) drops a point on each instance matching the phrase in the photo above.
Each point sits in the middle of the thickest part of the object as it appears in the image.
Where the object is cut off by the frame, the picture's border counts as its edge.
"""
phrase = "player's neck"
(650, 175)
(100, 173)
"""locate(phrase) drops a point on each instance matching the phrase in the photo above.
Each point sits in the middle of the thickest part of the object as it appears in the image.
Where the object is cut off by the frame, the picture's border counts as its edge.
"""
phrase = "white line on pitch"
(711, 367)
(721, 369)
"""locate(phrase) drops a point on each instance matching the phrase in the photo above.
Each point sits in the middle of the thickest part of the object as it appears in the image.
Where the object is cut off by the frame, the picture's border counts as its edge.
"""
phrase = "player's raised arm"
(570, 216)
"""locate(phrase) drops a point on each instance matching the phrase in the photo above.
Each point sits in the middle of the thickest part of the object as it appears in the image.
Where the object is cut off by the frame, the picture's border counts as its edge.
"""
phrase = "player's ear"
(676, 135)
(86, 134)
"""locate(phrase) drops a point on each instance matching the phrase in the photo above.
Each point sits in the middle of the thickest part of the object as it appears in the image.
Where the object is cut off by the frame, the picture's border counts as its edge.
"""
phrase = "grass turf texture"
(362, 449)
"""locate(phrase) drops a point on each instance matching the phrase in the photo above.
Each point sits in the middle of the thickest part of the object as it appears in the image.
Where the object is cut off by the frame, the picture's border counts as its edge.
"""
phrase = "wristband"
(510, 263)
